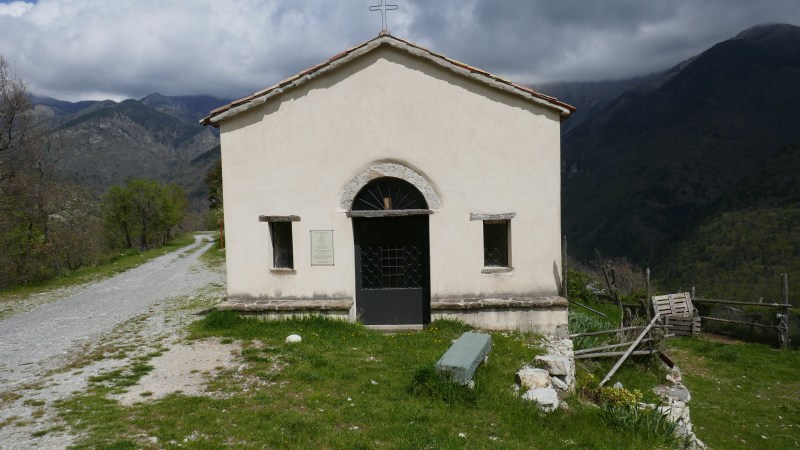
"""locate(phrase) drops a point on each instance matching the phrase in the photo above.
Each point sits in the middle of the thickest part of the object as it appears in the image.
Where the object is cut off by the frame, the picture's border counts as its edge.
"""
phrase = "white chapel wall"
(484, 151)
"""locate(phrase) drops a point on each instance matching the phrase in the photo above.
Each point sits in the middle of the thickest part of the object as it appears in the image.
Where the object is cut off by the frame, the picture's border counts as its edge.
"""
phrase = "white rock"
(293, 338)
(676, 392)
(556, 365)
(531, 378)
(559, 384)
(618, 385)
(674, 376)
(546, 398)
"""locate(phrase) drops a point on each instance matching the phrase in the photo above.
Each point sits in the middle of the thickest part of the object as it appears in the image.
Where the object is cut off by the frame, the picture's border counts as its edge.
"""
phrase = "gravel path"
(140, 309)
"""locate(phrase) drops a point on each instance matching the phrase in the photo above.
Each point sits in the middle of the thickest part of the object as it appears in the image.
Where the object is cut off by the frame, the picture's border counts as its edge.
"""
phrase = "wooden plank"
(584, 306)
(715, 319)
(615, 330)
(606, 347)
(607, 354)
(630, 350)
(732, 302)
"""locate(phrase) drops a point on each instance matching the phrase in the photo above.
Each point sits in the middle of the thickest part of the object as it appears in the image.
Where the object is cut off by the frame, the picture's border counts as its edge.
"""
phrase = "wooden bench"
(678, 313)
(463, 357)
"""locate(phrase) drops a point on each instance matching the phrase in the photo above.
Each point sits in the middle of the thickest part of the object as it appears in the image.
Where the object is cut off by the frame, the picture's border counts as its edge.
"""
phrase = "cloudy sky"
(97, 49)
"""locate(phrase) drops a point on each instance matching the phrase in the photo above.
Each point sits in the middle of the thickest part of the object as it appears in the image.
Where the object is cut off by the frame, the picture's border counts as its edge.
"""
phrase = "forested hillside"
(750, 237)
(667, 156)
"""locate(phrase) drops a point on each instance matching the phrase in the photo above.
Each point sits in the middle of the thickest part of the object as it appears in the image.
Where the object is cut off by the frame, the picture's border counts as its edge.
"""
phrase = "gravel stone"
(43, 349)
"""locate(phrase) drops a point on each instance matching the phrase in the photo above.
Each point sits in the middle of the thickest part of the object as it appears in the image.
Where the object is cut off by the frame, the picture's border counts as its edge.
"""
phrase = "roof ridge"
(244, 103)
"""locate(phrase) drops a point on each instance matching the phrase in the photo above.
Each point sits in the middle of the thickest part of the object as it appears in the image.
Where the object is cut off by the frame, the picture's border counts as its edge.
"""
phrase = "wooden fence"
(781, 317)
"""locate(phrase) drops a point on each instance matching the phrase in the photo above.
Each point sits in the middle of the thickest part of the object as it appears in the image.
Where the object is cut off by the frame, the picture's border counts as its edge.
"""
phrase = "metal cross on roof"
(383, 7)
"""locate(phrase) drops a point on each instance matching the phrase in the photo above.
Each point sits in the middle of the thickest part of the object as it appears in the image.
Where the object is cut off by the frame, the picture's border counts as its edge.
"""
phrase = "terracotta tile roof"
(245, 103)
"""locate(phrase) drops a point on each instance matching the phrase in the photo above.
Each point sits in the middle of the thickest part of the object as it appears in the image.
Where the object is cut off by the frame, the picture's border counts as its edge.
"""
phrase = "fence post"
(564, 274)
(783, 325)
(648, 301)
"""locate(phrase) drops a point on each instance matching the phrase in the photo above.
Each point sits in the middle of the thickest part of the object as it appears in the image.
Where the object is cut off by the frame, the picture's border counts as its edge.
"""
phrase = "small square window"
(282, 252)
(495, 243)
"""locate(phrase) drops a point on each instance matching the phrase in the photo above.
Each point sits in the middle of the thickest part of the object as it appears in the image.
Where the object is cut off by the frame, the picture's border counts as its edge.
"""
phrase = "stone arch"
(393, 170)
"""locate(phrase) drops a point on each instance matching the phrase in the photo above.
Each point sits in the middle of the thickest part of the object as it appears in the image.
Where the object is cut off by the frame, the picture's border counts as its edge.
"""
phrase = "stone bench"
(463, 357)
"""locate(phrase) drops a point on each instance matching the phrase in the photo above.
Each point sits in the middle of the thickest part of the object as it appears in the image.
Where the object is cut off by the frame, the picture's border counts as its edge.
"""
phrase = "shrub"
(647, 422)
(601, 395)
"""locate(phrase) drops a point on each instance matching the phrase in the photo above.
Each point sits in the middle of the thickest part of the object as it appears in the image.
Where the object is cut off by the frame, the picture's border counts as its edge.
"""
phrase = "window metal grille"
(391, 266)
(495, 243)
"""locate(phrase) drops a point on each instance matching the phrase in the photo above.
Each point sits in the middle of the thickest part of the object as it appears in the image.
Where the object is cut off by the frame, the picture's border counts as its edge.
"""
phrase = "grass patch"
(8, 397)
(124, 261)
(214, 257)
(346, 387)
(122, 378)
(32, 402)
(743, 395)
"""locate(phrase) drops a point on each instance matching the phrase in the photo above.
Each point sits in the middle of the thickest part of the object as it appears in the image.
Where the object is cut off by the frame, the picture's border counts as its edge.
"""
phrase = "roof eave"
(243, 104)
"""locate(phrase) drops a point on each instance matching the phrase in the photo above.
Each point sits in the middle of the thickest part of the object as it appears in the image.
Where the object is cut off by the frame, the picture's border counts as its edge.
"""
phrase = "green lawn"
(344, 387)
(743, 395)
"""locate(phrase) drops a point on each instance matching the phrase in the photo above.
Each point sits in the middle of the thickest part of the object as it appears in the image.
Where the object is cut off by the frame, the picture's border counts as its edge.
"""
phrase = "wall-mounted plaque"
(321, 247)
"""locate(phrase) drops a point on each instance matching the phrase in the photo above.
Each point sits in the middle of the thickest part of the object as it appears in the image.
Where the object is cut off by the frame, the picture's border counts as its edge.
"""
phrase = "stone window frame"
(273, 221)
(484, 218)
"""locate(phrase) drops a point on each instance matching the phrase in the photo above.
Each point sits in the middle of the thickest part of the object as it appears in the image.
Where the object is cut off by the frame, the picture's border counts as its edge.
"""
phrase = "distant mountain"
(650, 166)
(189, 108)
(159, 137)
(591, 97)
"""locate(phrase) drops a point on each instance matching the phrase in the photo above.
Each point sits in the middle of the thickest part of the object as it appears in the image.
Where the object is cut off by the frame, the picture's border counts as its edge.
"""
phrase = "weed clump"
(427, 382)
(647, 422)
(621, 409)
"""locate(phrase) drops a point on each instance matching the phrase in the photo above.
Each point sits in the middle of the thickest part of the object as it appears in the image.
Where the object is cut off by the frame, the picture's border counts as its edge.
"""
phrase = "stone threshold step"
(395, 328)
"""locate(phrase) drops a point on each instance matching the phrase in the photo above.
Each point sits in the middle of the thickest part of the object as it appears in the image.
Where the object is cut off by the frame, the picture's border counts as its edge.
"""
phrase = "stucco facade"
(473, 150)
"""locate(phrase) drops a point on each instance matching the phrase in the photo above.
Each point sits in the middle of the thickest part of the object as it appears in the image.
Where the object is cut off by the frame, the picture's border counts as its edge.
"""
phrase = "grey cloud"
(90, 48)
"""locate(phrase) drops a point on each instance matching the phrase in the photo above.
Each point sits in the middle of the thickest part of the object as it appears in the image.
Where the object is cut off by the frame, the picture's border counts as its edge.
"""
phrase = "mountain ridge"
(101, 143)
(644, 169)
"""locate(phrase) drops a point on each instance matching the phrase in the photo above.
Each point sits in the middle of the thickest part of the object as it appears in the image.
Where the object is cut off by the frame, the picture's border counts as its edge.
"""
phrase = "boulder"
(557, 365)
(293, 338)
(676, 392)
(546, 398)
(531, 378)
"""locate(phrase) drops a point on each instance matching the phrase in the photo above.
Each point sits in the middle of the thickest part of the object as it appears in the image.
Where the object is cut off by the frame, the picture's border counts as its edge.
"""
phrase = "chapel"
(393, 186)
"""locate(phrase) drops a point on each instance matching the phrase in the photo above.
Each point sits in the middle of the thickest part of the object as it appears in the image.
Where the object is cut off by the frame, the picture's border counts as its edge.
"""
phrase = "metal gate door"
(392, 270)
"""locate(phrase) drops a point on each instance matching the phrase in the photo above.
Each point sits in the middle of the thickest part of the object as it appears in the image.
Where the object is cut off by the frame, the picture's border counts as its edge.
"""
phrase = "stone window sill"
(497, 270)
(283, 271)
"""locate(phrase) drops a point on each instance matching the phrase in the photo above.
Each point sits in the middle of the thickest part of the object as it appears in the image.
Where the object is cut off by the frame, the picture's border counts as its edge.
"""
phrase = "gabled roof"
(384, 38)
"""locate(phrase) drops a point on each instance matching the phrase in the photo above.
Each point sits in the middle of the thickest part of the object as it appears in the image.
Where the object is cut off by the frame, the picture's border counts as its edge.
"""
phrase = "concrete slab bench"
(463, 357)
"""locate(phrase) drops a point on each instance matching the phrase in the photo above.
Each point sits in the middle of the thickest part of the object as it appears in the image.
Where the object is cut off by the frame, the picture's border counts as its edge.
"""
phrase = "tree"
(213, 180)
(47, 227)
(143, 209)
(15, 120)
(118, 216)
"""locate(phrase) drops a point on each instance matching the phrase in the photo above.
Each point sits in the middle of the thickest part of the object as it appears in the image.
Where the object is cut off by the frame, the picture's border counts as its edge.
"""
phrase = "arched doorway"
(392, 273)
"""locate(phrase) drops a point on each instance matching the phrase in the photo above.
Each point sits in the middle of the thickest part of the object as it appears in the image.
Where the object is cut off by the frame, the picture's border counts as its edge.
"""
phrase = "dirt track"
(140, 309)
